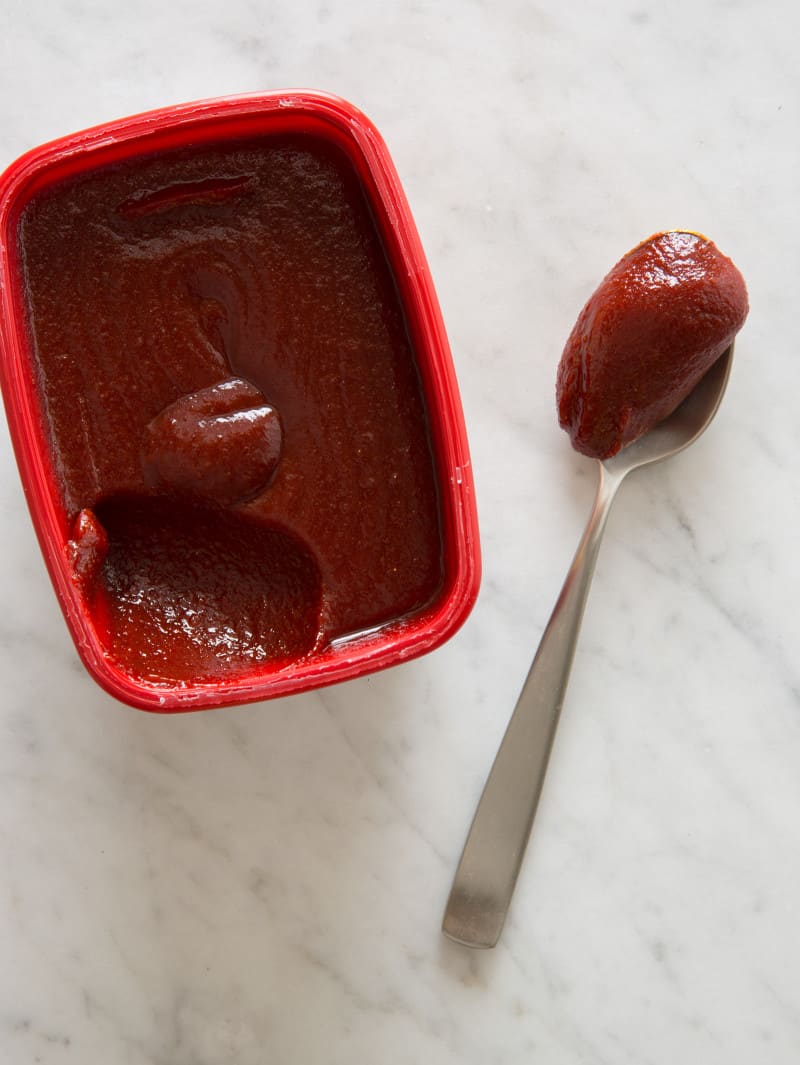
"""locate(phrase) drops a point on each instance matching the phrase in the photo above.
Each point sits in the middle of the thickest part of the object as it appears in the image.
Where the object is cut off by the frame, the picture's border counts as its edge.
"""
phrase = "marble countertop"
(266, 884)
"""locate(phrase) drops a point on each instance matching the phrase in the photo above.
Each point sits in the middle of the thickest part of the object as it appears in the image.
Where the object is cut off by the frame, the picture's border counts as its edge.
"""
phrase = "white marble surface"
(265, 885)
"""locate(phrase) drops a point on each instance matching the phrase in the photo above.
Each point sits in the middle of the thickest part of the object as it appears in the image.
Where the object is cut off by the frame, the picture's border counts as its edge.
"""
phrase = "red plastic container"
(205, 124)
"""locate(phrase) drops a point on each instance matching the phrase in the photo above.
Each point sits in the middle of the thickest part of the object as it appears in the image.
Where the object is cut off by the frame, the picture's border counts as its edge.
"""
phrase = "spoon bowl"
(487, 873)
(686, 423)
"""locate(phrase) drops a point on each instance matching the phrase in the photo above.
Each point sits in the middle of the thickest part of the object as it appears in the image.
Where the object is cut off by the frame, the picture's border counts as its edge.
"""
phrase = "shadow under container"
(105, 510)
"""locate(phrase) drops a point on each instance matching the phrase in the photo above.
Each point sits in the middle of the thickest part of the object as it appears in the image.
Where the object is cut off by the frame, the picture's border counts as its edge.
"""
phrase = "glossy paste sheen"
(233, 407)
(653, 328)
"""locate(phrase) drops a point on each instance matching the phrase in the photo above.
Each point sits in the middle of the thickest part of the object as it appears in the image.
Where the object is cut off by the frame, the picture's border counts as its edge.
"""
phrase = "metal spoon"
(489, 866)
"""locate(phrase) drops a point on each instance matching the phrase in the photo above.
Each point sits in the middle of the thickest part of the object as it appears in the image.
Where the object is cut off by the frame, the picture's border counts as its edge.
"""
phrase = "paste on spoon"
(653, 328)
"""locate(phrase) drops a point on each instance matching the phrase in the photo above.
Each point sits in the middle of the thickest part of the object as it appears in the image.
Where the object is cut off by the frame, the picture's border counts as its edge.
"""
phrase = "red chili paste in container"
(245, 441)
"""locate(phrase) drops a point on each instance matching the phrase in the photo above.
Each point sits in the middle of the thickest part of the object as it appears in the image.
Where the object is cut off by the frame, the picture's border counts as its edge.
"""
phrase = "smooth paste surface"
(233, 406)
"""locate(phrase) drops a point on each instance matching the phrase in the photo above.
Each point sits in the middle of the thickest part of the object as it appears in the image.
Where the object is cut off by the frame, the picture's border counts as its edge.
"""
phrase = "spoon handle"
(490, 863)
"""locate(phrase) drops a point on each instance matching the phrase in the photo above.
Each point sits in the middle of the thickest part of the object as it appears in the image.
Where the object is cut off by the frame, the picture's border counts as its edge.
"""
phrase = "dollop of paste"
(653, 328)
(221, 443)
